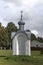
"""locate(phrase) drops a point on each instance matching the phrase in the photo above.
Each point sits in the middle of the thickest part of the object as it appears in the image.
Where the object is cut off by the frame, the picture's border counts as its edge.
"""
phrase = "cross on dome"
(21, 15)
(21, 23)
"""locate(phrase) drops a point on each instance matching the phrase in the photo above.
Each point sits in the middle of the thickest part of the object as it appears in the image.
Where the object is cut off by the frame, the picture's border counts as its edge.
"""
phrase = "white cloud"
(35, 32)
(33, 13)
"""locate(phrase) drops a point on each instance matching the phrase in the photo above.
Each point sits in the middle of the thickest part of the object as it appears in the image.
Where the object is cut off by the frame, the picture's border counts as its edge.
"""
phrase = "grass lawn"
(6, 58)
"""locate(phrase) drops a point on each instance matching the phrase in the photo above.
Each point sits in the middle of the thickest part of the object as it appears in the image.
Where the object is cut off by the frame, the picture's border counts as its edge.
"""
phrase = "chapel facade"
(21, 40)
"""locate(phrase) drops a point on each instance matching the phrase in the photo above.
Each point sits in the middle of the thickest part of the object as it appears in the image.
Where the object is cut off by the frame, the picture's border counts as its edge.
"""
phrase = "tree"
(33, 37)
(11, 28)
(4, 39)
(0, 24)
(40, 39)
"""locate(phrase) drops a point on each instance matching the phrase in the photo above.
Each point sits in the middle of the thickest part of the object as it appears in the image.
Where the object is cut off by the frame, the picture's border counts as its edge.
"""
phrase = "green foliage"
(40, 39)
(3, 36)
(33, 37)
(5, 33)
(0, 24)
(11, 28)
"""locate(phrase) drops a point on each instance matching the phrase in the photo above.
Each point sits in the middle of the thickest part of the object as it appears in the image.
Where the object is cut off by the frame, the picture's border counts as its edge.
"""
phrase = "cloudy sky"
(32, 13)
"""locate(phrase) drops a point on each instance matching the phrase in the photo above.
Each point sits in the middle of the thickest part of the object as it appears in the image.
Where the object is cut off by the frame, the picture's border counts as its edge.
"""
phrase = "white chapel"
(21, 40)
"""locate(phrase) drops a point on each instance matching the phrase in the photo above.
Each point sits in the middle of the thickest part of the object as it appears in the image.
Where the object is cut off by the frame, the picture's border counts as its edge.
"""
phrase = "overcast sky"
(32, 13)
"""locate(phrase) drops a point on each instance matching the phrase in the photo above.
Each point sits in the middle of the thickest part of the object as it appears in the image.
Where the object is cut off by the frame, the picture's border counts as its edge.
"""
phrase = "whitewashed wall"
(21, 45)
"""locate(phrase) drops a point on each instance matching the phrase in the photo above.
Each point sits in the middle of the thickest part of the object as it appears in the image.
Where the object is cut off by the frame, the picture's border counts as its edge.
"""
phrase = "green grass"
(6, 58)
